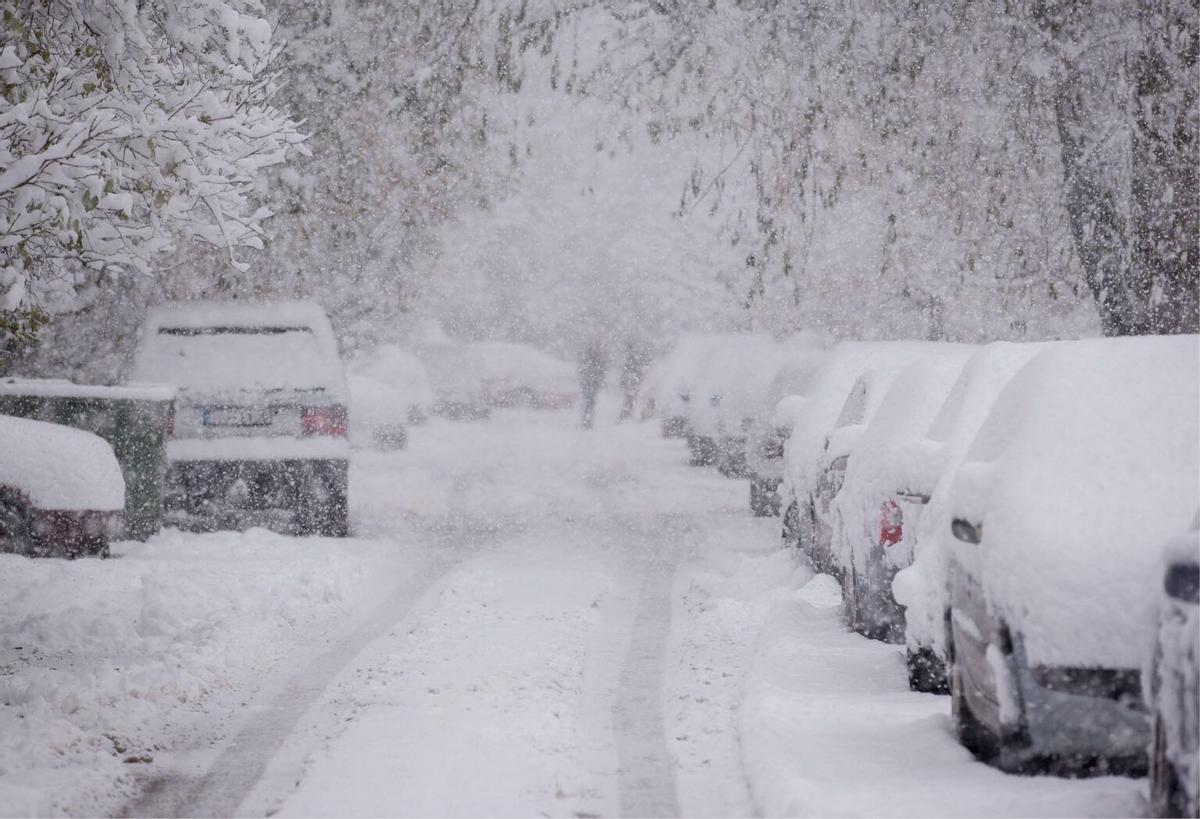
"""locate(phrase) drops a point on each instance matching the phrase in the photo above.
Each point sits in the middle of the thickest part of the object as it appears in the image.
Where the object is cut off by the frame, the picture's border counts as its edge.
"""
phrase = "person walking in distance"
(633, 369)
(593, 367)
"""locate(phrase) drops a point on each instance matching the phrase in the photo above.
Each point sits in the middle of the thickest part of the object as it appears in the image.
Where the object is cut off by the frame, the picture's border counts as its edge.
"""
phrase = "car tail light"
(325, 421)
(891, 523)
(171, 421)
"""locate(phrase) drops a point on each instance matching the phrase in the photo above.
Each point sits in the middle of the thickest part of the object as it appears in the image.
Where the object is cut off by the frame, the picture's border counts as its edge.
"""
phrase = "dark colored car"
(260, 425)
(61, 490)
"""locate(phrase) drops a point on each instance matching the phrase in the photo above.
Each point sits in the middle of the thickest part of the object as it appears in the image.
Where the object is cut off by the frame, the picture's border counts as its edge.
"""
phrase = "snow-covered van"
(1085, 466)
(61, 490)
(260, 420)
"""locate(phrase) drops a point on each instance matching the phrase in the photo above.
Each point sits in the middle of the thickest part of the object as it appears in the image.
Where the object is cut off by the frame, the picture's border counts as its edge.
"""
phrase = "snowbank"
(58, 467)
(107, 662)
(1086, 464)
(829, 728)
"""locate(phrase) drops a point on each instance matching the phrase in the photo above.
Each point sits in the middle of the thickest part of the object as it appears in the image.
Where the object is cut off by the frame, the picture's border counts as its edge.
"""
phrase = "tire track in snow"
(233, 774)
(646, 773)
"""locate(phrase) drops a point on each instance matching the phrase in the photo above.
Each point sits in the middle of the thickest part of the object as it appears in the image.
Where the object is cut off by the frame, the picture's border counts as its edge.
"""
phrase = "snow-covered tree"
(127, 128)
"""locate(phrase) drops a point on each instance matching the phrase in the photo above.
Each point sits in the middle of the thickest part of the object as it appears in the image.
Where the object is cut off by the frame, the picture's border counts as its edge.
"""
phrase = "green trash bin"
(133, 419)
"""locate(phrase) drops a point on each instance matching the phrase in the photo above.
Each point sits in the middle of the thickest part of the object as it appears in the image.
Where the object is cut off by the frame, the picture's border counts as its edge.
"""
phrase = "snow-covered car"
(869, 515)
(518, 375)
(1086, 464)
(378, 414)
(769, 431)
(926, 467)
(401, 371)
(260, 419)
(726, 391)
(733, 390)
(389, 390)
(61, 490)
(1173, 682)
(670, 381)
(813, 418)
(456, 380)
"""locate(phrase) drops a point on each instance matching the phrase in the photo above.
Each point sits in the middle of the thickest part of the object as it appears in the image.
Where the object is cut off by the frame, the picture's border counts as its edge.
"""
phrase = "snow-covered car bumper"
(1077, 715)
(238, 483)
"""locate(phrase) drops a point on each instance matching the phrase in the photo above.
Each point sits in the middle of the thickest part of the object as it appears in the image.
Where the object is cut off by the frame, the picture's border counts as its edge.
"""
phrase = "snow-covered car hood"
(59, 468)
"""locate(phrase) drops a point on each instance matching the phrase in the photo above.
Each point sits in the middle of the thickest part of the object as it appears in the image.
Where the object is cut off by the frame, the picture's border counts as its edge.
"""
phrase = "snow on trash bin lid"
(62, 388)
(59, 468)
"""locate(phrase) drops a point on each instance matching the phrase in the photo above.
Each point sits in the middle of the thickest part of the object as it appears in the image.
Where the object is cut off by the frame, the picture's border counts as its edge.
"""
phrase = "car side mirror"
(966, 531)
(1183, 582)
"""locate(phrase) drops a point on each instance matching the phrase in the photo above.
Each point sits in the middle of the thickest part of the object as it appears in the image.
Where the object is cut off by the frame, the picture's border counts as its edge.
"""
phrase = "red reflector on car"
(325, 421)
(891, 523)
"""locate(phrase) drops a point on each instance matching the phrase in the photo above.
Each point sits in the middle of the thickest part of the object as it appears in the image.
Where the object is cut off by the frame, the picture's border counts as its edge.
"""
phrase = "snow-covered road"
(532, 619)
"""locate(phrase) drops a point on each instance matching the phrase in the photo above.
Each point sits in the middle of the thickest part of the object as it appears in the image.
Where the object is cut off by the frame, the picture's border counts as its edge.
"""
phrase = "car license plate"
(237, 416)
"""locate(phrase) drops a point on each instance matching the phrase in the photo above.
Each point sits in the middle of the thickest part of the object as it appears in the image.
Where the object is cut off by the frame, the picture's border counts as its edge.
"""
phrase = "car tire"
(16, 528)
(850, 600)
(790, 529)
(1167, 795)
(324, 512)
(971, 733)
(764, 497)
(926, 671)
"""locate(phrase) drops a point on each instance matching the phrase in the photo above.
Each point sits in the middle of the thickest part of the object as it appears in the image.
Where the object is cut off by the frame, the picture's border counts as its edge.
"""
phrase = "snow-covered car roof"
(1087, 463)
(826, 393)
(59, 468)
(675, 372)
(515, 365)
(741, 372)
(219, 347)
(395, 366)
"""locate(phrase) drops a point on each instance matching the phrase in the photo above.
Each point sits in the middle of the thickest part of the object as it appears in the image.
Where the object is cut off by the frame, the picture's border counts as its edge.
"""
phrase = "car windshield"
(217, 358)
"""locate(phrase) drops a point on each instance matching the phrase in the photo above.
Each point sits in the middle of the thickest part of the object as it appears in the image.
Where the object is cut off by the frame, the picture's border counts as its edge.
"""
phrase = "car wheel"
(763, 500)
(850, 599)
(926, 671)
(791, 526)
(16, 529)
(1167, 796)
(971, 733)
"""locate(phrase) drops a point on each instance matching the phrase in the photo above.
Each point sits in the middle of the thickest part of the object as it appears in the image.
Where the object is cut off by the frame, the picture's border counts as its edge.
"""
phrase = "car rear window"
(223, 358)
